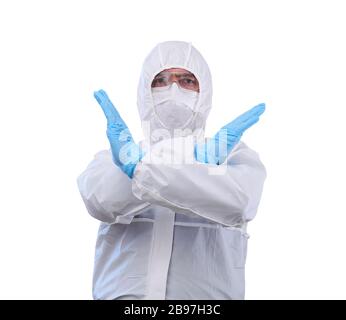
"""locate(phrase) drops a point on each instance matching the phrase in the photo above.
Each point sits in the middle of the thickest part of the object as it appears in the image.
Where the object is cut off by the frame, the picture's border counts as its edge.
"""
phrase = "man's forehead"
(176, 70)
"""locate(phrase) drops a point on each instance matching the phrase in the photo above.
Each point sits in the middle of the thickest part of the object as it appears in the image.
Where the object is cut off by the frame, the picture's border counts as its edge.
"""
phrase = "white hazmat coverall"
(172, 232)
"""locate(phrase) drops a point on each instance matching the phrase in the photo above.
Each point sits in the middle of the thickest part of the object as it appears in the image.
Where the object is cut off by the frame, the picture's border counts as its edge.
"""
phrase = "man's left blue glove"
(126, 153)
(216, 149)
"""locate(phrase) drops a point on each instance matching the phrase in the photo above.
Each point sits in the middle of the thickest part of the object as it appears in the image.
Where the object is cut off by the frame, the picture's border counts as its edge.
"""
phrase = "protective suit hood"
(173, 54)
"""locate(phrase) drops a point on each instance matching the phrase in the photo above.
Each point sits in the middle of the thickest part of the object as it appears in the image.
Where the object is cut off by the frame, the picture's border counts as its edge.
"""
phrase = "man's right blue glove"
(216, 149)
(126, 153)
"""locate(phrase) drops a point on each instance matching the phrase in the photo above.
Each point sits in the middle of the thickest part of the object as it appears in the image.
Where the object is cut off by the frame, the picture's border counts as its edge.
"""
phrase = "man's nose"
(174, 78)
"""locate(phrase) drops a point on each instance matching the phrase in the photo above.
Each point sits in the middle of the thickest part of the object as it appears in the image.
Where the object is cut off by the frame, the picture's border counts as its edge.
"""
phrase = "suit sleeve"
(106, 191)
(228, 194)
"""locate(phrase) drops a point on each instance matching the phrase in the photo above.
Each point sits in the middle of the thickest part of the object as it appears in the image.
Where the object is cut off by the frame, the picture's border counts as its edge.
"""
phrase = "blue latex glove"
(216, 149)
(126, 154)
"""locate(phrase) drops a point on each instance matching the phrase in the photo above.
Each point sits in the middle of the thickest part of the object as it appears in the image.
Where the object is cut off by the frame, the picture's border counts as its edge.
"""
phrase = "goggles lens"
(184, 79)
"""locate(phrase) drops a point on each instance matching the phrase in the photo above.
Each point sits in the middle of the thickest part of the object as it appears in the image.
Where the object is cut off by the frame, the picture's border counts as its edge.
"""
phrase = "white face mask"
(174, 106)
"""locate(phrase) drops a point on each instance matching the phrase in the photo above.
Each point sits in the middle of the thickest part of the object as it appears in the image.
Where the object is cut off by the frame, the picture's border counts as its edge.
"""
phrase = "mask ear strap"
(160, 55)
(188, 54)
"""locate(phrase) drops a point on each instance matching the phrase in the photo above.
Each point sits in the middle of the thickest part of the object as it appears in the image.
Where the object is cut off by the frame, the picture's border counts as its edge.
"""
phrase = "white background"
(288, 54)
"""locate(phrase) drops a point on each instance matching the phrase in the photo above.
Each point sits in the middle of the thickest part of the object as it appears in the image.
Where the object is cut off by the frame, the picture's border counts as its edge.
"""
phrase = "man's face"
(183, 78)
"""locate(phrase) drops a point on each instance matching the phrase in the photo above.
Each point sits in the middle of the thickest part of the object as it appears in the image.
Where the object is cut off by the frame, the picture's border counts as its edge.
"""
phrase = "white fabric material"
(175, 231)
(161, 251)
(106, 191)
(187, 186)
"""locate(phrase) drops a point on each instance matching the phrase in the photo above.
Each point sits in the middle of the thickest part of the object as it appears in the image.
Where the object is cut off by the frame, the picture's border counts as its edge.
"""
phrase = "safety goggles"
(184, 79)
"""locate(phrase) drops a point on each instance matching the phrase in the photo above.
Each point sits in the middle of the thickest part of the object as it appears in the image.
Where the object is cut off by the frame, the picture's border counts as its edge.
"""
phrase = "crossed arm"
(112, 192)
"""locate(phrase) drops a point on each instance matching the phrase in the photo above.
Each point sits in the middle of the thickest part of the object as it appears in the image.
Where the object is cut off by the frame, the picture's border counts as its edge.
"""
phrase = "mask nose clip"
(174, 89)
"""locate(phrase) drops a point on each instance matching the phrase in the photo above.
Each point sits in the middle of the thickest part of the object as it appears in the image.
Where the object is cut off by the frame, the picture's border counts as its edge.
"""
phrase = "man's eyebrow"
(189, 74)
(185, 74)
(161, 74)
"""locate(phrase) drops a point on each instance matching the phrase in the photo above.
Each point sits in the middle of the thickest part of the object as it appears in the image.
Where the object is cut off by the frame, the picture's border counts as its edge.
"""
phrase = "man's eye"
(158, 81)
(189, 81)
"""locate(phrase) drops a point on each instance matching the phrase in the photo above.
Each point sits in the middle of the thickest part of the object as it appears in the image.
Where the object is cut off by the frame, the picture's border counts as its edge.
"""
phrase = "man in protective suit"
(174, 208)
